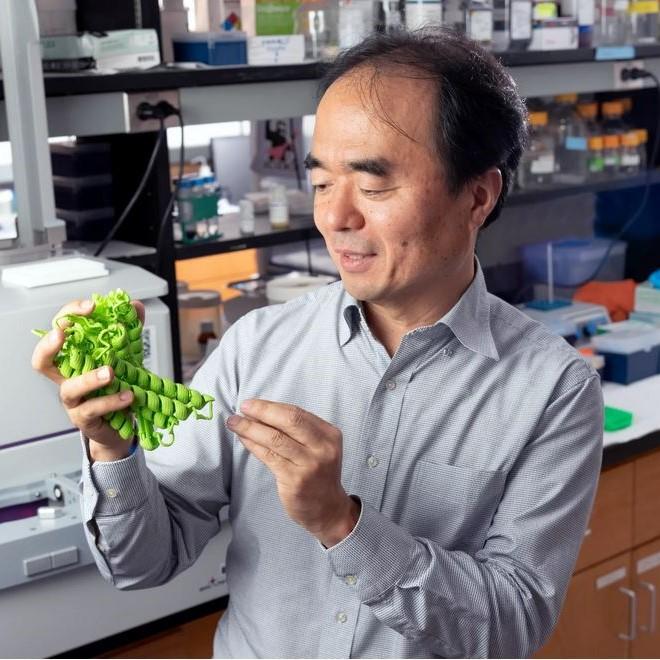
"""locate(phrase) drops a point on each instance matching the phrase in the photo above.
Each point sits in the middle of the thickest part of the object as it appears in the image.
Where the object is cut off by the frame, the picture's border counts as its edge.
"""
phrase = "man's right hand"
(105, 444)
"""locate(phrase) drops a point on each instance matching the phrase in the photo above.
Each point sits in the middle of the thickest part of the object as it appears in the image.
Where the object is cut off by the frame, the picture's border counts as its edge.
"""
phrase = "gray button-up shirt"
(475, 452)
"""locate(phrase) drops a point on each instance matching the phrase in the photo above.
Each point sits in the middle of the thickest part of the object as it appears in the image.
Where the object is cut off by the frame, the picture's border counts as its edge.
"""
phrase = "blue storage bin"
(574, 260)
(631, 351)
(215, 48)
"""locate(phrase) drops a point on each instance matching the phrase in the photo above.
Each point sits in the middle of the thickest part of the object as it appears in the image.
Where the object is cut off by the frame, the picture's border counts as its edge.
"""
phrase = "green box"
(276, 17)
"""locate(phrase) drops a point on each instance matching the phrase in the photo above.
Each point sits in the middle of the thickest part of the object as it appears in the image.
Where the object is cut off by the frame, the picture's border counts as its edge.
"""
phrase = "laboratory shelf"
(90, 103)
(520, 198)
(300, 228)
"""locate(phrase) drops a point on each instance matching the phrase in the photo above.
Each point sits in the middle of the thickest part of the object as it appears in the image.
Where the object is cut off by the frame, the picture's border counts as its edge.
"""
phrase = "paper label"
(545, 10)
(621, 5)
(630, 160)
(644, 7)
(425, 12)
(521, 20)
(543, 164)
(615, 576)
(481, 25)
(611, 161)
(575, 143)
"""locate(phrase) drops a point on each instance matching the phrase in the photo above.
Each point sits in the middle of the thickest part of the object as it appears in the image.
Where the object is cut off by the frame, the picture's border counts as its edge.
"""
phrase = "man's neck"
(390, 322)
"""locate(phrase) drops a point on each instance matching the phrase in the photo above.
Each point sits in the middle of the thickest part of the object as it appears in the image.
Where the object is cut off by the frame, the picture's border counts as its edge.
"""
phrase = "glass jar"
(537, 165)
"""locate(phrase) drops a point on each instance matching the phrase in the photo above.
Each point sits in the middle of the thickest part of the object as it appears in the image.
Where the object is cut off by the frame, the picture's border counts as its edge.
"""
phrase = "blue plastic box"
(631, 351)
(573, 260)
(215, 48)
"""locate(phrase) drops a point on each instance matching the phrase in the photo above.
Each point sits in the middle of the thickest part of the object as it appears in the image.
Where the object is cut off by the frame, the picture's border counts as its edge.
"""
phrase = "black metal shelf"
(300, 228)
(520, 198)
(171, 77)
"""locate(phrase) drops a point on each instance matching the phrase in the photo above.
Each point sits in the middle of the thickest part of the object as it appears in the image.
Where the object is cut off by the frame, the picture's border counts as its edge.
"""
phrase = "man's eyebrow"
(376, 166)
(311, 162)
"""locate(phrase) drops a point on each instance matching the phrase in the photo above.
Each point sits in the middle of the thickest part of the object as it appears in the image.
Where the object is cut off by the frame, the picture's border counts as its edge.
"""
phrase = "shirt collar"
(468, 319)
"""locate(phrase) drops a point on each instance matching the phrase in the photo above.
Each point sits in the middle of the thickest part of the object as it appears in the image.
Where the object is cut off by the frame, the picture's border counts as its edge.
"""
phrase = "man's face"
(381, 203)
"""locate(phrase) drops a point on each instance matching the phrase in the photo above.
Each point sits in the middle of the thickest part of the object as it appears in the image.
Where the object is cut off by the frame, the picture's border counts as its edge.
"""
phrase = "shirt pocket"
(453, 505)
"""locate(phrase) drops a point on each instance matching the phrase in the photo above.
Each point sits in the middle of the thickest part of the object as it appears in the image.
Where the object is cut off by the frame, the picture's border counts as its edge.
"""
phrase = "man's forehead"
(365, 100)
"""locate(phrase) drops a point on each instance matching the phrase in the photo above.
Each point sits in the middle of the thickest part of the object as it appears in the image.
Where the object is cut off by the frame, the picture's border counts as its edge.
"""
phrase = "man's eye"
(372, 193)
(320, 187)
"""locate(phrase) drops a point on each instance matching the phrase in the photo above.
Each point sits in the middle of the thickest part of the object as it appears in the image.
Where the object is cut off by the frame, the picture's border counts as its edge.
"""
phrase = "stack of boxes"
(82, 180)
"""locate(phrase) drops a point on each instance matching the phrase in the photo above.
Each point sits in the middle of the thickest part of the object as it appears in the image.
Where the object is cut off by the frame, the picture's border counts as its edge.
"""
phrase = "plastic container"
(574, 260)
(611, 155)
(287, 287)
(200, 313)
(217, 48)
(356, 21)
(571, 141)
(612, 26)
(630, 157)
(502, 25)
(644, 21)
(595, 159)
(56, 17)
(278, 207)
(520, 24)
(537, 165)
(83, 193)
(90, 225)
(631, 351)
(77, 160)
(473, 18)
(318, 22)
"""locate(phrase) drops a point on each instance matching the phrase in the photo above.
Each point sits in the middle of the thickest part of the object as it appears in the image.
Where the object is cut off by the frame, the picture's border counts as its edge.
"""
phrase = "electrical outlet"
(135, 98)
(627, 84)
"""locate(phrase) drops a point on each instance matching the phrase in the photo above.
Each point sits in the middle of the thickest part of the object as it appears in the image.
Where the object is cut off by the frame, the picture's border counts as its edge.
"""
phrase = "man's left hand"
(304, 454)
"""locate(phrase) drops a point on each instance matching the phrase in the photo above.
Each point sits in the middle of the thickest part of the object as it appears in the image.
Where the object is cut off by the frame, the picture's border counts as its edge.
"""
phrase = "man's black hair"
(480, 117)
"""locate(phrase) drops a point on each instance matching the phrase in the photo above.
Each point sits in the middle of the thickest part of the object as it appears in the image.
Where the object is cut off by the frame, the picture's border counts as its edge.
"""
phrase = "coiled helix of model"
(112, 335)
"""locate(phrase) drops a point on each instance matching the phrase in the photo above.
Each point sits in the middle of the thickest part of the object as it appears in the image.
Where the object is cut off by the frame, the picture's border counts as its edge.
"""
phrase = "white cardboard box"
(277, 49)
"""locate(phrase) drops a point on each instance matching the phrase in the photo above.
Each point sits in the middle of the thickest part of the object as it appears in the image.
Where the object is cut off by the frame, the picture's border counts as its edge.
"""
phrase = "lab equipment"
(631, 350)
(278, 207)
(501, 25)
(215, 48)
(287, 287)
(197, 209)
(573, 260)
(616, 419)
(46, 570)
(246, 217)
(196, 308)
(356, 20)
(644, 21)
(112, 335)
(473, 18)
(575, 321)
(570, 141)
(612, 24)
(520, 24)
(318, 22)
(537, 165)
(421, 13)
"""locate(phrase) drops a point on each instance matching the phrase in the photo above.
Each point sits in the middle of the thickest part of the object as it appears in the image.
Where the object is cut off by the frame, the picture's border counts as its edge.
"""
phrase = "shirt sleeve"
(504, 599)
(148, 517)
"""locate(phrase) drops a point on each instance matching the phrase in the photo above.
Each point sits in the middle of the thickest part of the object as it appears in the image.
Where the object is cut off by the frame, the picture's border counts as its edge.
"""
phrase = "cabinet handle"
(632, 622)
(651, 588)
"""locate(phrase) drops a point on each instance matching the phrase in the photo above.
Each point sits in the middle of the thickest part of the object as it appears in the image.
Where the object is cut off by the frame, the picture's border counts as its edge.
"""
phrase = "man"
(409, 462)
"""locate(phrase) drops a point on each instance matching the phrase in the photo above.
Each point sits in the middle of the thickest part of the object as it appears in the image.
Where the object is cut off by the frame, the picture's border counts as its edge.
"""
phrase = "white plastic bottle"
(278, 207)
(421, 13)
(246, 216)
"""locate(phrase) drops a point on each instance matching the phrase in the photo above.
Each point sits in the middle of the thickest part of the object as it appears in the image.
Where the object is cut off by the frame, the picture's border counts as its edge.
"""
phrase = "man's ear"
(486, 189)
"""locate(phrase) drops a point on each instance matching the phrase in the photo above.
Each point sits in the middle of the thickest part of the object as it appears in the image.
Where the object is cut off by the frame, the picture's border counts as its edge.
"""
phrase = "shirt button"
(390, 385)
(372, 461)
(350, 580)
(342, 617)
(111, 492)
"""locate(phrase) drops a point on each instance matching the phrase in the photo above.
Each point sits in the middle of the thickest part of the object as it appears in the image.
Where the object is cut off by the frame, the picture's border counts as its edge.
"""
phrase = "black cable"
(137, 193)
(168, 209)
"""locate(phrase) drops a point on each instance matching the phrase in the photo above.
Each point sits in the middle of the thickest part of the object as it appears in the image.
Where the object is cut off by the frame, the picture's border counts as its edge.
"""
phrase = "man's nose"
(339, 211)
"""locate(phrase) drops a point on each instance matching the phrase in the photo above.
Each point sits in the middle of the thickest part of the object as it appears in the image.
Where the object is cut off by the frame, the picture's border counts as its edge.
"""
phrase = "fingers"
(80, 307)
(44, 353)
(268, 440)
(88, 416)
(299, 424)
(74, 390)
(139, 308)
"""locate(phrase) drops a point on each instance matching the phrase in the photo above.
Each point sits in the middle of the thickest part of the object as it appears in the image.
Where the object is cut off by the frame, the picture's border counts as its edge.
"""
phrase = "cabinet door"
(646, 582)
(647, 501)
(597, 617)
(610, 528)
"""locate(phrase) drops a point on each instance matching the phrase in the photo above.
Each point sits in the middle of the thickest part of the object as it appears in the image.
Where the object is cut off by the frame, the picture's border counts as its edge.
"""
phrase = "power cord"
(159, 111)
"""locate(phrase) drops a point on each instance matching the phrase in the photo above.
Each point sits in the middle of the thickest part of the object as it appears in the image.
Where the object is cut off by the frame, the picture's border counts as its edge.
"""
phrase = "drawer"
(610, 529)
